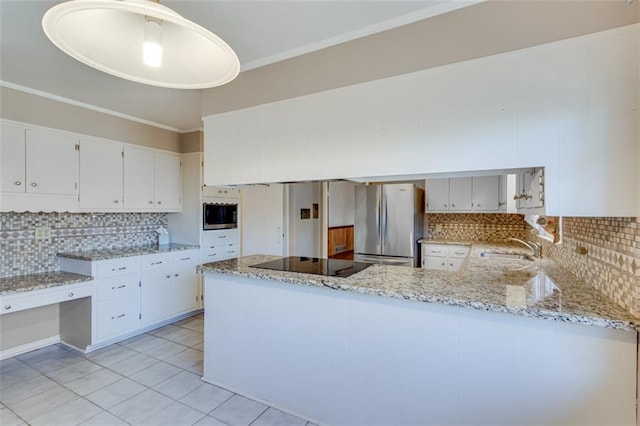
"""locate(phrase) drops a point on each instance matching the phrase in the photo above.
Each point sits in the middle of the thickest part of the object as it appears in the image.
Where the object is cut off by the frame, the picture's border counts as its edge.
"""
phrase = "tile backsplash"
(21, 253)
(488, 227)
(611, 263)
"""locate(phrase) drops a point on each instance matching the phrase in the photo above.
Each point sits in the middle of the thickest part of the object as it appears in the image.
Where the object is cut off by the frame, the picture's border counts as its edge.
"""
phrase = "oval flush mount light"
(141, 41)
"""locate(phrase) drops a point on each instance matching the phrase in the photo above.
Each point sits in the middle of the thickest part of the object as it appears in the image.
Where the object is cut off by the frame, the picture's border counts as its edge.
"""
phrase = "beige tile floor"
(150, 379)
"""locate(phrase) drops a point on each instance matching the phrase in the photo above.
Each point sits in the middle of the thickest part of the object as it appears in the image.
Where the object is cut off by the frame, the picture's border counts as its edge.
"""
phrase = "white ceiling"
(260, 31)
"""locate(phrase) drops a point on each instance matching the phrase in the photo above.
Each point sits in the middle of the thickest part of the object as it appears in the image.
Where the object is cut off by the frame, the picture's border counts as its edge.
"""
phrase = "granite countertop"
(30, 282)
(106, 254)
(539, 288)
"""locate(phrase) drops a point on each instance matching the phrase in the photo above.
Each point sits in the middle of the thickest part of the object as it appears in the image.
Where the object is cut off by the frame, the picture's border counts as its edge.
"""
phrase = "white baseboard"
(28, 347)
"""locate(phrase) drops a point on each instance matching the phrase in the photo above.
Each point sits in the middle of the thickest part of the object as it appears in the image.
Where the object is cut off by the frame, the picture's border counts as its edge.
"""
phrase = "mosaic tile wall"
(612, 261)
(21, 253)
(490, 227)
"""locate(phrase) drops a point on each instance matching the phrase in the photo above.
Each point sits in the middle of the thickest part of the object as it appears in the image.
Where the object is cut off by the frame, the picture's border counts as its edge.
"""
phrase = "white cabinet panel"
(116, 317)
(167, 181)
(138, 178)
(460, 194)
(440, 91)
(384, 152)
(219, 145)
(52, 163)
(155, 295)
(12, 158)
(488, 114)
(486, 193)
(437, 195)
(435, 263)
(184, 283)
(100, 175)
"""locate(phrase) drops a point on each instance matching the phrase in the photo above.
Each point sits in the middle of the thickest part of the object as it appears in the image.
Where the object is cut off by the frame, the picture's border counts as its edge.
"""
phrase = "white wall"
(305, 235)
(341, 203)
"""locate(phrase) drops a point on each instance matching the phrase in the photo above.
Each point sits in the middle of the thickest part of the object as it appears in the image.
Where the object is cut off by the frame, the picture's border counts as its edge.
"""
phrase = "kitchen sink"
(506, 255)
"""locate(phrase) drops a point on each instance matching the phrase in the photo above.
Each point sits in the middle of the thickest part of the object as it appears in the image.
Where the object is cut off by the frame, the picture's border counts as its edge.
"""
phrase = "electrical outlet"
(43, 233)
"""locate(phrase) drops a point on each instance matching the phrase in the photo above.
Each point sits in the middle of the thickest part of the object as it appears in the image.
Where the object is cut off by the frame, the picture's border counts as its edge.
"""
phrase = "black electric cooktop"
(314, 265)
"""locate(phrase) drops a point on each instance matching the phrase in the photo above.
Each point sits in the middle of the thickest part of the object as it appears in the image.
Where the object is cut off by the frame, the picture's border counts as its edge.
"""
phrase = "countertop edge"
(530, 312)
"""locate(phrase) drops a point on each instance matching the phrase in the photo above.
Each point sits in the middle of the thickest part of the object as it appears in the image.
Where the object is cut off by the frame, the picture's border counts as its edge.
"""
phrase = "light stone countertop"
(540, 289)
(115, 253)
(31, 282)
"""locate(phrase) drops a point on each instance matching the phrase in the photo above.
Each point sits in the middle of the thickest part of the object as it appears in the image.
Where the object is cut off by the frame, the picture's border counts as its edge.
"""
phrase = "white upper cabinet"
(152, 180)
(437, 195)
(461, 194)
(466, 194)
(52, 163)
(100, 175)
(12, 158)
(167, 181)
(571, 107)
(39, 169)
(486, 193)
(138, 178)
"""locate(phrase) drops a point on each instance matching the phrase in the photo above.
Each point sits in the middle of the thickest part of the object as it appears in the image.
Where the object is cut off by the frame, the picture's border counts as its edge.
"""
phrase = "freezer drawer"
(385, 260)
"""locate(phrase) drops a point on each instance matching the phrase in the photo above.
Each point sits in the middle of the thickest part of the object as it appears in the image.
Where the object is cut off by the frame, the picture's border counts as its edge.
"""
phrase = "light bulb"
(152, 46)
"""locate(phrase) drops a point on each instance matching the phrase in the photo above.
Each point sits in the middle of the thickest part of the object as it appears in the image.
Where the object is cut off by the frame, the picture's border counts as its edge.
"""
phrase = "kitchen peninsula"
(499, 342)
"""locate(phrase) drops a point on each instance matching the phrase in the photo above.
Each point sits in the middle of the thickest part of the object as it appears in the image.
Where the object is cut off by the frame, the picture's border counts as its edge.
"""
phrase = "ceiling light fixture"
(141, 41)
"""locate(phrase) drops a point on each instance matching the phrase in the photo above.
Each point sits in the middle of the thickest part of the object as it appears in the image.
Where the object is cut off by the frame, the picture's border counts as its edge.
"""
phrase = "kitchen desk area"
(500, 341)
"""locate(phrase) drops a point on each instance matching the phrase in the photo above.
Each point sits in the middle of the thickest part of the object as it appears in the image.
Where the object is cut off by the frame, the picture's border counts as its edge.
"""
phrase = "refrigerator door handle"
(384, 232)
(379, 217)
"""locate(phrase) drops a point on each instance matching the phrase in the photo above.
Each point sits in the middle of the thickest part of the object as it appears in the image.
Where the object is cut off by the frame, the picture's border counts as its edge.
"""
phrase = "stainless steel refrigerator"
(388, 224)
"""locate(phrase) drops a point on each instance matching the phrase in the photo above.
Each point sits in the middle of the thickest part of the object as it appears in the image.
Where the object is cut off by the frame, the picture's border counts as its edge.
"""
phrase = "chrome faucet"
(536, 248)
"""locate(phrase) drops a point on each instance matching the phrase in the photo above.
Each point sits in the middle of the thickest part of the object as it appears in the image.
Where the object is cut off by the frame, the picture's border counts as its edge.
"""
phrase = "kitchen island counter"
(539, 288)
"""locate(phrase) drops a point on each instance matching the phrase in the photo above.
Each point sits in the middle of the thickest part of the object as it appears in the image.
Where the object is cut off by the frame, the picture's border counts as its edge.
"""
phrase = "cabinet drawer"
(212, 239)
(217, 191)
(117, 316)
(155, 261)
(112, 288)
(113, 268)
(222, 252)
(186, 257)
(438, 250)
(33, 299)
(458, 251)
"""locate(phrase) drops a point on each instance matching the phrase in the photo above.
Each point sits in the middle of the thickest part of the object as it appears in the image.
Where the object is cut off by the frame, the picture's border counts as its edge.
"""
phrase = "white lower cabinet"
(444, 257)
(220, 245)
(135, 293)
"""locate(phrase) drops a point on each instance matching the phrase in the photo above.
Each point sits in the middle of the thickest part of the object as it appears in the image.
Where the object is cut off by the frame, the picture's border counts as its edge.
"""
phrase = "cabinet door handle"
(70, 294)
(453, 205)
(7, 307)
(116, 201)
(231, 251)
(159, 202)
(185, 258)
(17, 183)
(118, 316)
(120, 269)
(213, 254)
(222, 236)
(168, 276)
(458, 252)
(445, 205)
(34, 184)
(120, 286)
(175, 275)
(150, 202)
(156, 263)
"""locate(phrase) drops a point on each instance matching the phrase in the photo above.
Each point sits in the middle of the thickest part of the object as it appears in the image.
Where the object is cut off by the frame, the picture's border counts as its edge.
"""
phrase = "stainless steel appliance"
(388, 224)
(219, 215)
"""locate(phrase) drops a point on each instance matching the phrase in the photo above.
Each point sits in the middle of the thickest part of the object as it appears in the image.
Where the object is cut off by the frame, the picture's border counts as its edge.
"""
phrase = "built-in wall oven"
(219, 215)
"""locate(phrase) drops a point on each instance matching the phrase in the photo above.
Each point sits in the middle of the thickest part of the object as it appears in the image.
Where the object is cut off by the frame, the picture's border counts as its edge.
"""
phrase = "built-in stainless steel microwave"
(219, 216)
